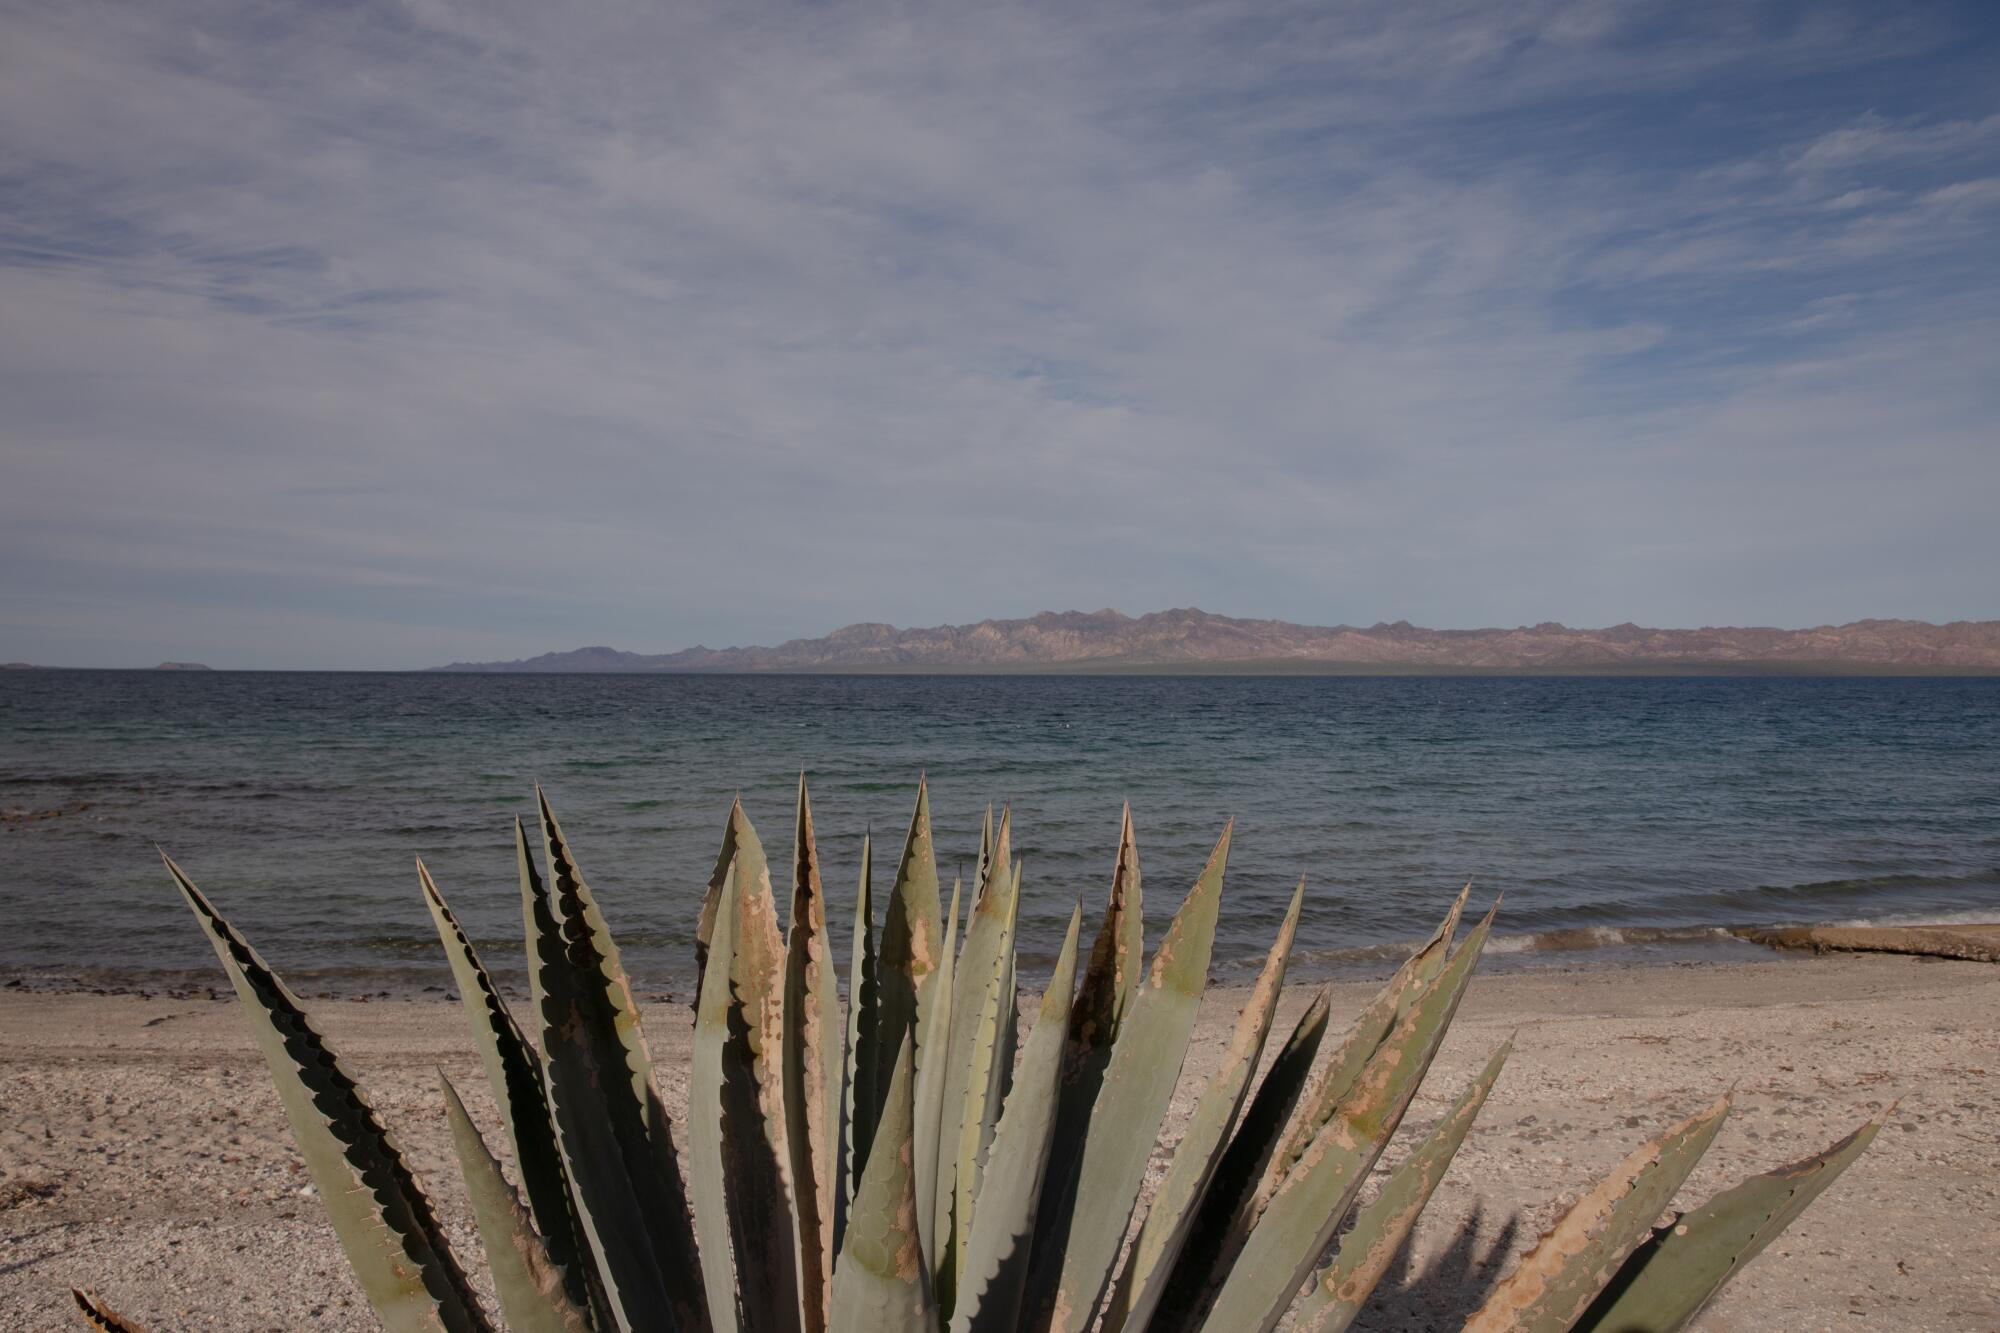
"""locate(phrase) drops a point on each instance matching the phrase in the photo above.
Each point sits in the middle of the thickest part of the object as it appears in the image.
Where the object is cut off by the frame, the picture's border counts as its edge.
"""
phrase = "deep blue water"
(1616, 807)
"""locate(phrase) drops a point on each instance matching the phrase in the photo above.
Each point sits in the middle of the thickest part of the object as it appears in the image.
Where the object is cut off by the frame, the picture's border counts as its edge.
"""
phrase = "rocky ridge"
(1188, 637)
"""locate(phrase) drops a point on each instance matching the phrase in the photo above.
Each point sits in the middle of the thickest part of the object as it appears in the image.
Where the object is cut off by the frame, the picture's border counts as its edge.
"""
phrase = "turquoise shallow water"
(1631, 813)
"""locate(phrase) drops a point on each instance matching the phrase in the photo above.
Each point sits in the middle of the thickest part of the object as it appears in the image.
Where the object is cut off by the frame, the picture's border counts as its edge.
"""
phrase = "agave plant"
(913, 1163)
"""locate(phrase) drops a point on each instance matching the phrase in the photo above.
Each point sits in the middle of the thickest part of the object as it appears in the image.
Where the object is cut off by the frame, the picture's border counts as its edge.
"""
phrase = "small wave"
(1873, 884)
(1564, 939)
(1568, 939)
(1977, 917)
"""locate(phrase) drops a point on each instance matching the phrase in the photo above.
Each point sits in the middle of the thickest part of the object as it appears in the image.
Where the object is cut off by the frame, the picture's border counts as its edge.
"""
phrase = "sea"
(1625, 820)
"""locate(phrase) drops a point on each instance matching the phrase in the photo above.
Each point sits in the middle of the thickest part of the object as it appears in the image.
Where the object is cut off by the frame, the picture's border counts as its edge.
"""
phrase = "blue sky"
(374, 335)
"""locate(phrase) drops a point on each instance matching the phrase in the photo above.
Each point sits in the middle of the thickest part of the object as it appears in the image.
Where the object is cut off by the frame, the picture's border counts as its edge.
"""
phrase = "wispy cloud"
(383, 334)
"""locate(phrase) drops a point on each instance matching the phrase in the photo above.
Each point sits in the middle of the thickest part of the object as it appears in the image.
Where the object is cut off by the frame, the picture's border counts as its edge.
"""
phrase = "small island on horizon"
(1194, 641)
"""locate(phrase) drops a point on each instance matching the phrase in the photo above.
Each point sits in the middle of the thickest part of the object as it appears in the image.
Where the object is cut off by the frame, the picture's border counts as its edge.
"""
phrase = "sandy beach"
(143, 1151)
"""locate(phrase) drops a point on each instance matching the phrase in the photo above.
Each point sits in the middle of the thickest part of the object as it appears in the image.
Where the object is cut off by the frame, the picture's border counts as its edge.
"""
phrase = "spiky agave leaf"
(617, 1147)
(1556, 1282)
(1255, 1141)
(989, 1066)
(985, 864)
(1679, 1269)
(1291, 1106)
(1080, 1246)
(99, 1315)
(813, 1058)
(911, 954)
(1233, 1187)
(1151, 1259)
(738, 1146)
(527, 1281)
(860, 1103)
(514, 1071)
(882, 1284)
(1002, 1226)
(383, 1218)
(934, 1032)
(1110, 981)
(1296, 1226)
(1380, 1229)
(1390, 1005)
(977, 976)
(704, 927)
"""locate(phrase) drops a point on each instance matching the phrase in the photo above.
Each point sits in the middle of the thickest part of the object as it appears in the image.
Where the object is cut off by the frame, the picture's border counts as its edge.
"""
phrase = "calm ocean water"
(1634, 813)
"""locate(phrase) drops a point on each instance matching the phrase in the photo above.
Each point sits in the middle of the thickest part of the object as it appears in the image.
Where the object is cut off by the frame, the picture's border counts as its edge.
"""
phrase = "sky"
(376, 335)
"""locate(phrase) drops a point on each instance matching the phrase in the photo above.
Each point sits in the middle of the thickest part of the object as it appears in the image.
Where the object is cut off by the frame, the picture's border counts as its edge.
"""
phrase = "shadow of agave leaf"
(759, 1217)
(1450, 1287)
(1011, 1276)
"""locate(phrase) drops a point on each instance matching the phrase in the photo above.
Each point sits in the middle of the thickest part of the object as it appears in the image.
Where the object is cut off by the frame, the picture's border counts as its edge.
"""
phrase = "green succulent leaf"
(977, 976)
(907, 974)
(985, 865)
(738, 1147)
(383, 1218)
(527, 1281)
(813, 1060)
(1153, 1255)
(1380, 1229)
(1301, 1218)
(1233, 1188)
(1110, 980)
(992, 1065)
(1301, 1103)
(616, 1144)
(1002, 1226)
(1554, 1284)
(882, 1283)
(514, 1072)
(1679, 1268)
(860, 1105)
(1138, 1085)
(935, 1032)
(1337, 1077)
(1007, 1041)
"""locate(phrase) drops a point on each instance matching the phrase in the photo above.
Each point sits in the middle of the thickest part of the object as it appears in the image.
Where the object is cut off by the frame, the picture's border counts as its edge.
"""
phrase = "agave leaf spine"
(935, 1032)
(813, 1061)
(1002, 1226)
(1302, 1216)
(514, 1072)
(527, 1281)
(860, 1104)
(1555, 1282)
(1138, 1085)
(382, 1216)
(1381, 1228)
(617, 1147)
(1175, 1204)
(883, 1283)
(1679, 1269)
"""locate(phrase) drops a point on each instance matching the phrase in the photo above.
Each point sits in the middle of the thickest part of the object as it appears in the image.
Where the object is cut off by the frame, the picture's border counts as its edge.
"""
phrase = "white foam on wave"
(1564, 939)
(1971, 918)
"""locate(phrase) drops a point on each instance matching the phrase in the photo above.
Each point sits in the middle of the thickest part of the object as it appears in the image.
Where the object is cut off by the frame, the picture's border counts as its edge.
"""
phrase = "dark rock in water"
(1977, 943)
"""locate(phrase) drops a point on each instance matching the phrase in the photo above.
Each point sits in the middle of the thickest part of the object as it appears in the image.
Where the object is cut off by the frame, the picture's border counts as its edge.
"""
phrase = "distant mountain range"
(1196, 641)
